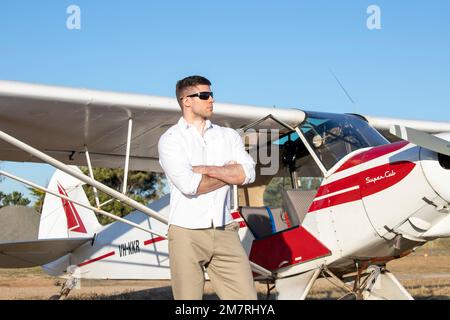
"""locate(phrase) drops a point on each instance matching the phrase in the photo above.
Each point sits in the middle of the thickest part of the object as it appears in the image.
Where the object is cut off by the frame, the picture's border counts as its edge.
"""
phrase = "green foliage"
(39, 195)
(142, 186)
(272, 194)
(13, 199)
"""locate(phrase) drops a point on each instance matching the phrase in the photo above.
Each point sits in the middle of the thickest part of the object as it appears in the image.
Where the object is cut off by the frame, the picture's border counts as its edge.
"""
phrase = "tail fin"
(61, 218)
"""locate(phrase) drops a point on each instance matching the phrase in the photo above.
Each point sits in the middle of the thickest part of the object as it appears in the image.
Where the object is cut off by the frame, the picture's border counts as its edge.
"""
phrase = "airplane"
(348, 192)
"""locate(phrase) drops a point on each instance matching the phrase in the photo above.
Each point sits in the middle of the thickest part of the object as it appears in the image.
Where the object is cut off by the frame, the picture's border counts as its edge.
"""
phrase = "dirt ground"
(425, 274)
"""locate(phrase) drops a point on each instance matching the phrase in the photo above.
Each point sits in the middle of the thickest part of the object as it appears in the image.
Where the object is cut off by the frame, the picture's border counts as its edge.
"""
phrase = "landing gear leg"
(72, 282)
(375, 283)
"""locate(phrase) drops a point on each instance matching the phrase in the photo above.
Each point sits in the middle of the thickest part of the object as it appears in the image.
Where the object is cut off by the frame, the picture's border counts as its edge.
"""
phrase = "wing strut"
(127, 157)
(91, 173)
(125, 171)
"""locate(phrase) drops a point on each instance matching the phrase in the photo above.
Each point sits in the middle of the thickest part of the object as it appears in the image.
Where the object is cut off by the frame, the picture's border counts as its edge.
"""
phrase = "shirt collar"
(183, 124)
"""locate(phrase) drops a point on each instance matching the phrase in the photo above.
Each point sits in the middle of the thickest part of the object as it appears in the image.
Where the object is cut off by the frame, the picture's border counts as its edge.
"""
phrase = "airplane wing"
(383, 125)
(61, 121)
(27, 254)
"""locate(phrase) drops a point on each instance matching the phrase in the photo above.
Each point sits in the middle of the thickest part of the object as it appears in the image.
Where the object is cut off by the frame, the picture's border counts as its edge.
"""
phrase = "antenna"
(342, 87)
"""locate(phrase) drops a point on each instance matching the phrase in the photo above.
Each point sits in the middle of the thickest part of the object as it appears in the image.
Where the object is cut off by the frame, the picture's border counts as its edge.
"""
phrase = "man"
(201, 160)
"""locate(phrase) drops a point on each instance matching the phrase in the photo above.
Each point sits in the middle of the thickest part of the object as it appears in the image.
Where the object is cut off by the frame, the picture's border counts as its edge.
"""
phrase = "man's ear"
(187, 102)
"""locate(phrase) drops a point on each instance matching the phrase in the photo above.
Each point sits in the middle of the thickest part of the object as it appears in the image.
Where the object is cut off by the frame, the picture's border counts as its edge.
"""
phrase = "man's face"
(199, 107)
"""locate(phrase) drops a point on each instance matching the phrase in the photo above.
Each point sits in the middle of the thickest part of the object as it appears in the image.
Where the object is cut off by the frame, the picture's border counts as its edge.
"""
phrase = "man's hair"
(187, 82)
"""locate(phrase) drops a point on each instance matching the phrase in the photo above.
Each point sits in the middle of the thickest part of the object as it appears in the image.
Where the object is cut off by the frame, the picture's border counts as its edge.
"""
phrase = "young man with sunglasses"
(201, 160)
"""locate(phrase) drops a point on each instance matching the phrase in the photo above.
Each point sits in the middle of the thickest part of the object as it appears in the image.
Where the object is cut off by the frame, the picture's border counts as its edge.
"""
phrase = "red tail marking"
(74, 222)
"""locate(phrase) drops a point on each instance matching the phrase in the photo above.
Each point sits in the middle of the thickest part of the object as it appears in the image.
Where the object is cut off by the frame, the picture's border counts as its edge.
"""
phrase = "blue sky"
(255, 52)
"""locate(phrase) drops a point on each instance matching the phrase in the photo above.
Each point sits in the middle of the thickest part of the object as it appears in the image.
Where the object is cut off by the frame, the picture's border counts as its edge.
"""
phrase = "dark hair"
(190, 81)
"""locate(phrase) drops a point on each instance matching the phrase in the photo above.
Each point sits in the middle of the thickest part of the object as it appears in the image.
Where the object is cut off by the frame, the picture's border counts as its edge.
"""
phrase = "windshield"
(333, 136)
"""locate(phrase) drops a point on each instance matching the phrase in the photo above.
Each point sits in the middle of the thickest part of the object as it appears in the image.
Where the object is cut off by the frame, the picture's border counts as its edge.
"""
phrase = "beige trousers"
(220, 253)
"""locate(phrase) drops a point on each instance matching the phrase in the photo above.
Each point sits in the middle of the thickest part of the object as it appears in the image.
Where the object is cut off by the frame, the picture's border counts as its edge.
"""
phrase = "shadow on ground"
(162, 293)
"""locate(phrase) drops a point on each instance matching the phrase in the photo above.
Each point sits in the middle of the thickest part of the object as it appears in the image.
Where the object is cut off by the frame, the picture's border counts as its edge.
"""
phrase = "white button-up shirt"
(180, 148)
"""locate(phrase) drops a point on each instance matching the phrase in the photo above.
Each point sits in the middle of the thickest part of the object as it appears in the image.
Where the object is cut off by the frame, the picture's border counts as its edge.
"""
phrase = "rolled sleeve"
(174, 161)
(243, 158)
(249, 173)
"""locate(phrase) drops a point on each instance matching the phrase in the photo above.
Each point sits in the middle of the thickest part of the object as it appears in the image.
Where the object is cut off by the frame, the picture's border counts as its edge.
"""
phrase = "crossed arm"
(215, 177)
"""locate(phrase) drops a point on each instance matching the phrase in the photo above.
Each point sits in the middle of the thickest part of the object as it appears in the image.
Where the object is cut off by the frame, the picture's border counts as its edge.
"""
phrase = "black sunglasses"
(202, 95)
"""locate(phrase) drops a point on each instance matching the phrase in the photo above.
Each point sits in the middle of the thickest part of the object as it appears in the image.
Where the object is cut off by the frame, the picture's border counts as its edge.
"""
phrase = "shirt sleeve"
(176, 165)
(243, 158)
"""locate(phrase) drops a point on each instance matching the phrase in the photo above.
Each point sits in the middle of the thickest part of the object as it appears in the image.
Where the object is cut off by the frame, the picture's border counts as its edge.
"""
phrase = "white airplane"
(355, 201)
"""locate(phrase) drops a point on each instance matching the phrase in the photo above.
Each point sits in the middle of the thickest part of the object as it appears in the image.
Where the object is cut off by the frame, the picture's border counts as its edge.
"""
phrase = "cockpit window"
(333, 136)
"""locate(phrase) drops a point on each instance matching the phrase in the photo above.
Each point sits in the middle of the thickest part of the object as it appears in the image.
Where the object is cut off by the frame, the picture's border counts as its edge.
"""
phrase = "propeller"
(421, 139)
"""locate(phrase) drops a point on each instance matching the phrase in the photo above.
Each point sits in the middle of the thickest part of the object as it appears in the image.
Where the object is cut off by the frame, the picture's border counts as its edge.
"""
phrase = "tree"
(13, 199)
(142, 186)
(39, 195)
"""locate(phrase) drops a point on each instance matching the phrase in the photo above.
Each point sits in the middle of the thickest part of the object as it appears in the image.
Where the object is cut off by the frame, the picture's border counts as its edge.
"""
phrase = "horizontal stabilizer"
(27, 254)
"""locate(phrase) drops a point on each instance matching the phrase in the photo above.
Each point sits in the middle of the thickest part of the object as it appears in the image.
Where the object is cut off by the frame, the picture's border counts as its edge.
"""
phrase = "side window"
(272, 193)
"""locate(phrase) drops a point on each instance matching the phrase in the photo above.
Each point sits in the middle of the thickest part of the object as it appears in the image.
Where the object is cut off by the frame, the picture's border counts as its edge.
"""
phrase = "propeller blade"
(421, 139)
